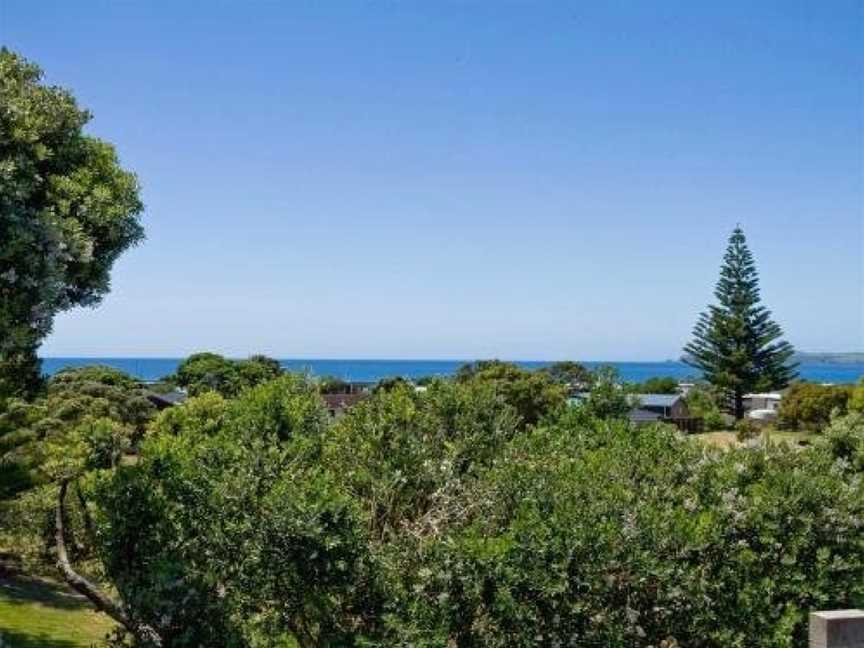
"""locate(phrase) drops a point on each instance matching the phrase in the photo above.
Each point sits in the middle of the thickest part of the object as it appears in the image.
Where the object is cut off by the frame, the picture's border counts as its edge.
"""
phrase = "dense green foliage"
(391, 383)
(702, 402)
(615, 536)
(533, 394)
(571, 374)
(856, 400)
(735, 343)
(230, 531)
(608, 399)
(441, 517)
(845, 437)
(810, 406)
(87, 418)
(436, 518)
(203, 372)
(333, 385)
(67, 211)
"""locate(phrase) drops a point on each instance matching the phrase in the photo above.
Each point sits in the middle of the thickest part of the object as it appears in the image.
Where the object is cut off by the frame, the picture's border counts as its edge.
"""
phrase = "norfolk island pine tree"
(736, 343)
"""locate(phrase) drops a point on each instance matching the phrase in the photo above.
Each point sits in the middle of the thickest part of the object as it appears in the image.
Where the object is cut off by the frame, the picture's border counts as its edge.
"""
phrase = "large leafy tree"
(67, 211)
(86, 416)
(204, 372)
(570, 374)
(533, 394)
(735, 342)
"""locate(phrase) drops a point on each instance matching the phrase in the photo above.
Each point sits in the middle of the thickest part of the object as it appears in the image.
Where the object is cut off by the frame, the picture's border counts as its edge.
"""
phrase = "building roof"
(174, 397)
(658, 400)
(342, 401)
(765, 395)
(642, 415)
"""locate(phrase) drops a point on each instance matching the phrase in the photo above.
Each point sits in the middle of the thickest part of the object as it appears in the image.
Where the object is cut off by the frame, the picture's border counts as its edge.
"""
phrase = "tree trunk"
(144, 633)
(739, 405)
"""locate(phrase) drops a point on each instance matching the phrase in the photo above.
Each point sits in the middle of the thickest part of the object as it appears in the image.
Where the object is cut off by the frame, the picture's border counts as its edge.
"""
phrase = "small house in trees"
(666, 406)
(336, 404)
(762, 401)
(163, 400)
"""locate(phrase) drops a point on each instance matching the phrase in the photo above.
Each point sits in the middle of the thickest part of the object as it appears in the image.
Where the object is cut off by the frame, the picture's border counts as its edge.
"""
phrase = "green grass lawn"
(37, 613)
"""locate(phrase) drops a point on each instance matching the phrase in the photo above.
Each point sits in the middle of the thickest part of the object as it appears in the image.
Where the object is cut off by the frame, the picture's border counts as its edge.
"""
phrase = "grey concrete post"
(837, 629)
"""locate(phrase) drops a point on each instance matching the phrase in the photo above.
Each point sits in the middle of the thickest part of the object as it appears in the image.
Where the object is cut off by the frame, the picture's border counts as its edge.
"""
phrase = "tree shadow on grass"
(18, 639)
(24, 590)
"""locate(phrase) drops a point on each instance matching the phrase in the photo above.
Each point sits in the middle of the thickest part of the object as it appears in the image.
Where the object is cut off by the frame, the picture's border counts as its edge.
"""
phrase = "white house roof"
(658, 400)
(765, 395)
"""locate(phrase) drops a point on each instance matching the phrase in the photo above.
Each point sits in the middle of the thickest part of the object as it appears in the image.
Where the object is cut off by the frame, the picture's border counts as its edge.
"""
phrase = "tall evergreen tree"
(735, 343)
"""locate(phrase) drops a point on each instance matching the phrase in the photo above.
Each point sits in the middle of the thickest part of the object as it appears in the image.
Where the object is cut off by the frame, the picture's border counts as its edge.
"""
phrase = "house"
(762, 401)
(336, 404)
(667, 406)
(640, 415)
(167, 399)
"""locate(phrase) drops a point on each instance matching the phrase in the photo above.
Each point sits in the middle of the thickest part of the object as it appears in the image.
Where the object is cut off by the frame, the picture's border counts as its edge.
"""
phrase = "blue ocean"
(374, 370)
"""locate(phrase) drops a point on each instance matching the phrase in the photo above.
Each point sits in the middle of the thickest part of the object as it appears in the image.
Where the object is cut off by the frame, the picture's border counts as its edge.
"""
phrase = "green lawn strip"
(35, 612)
(728, 438)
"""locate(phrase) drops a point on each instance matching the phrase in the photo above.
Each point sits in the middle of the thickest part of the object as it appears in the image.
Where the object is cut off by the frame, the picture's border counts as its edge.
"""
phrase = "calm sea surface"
(373, 370)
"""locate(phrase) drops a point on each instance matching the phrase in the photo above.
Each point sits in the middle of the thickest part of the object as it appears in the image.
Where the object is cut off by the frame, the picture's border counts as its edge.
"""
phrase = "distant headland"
(851, 357)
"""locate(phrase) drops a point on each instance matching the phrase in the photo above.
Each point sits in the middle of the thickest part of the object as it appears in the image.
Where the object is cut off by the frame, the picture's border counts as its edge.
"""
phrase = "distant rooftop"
(658, 400)
(167, 399)
(644, 416)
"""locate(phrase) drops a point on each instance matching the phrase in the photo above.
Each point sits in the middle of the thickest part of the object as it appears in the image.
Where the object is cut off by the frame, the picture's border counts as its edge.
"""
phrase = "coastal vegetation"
(67, 212)
(810, 407)
(203, 372)
(656, 385)
(444, 515)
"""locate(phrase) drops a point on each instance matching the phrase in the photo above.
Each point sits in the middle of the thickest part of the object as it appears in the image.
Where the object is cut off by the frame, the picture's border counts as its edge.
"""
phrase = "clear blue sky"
(463, 179)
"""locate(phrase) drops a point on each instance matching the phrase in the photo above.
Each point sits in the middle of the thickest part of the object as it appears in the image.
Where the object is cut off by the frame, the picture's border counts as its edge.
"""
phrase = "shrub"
(845, 437)
(401, 452)
(619, 536)
(533, 394)
(203, 372)
(217, 538)
(856, 400)
(703, 403)
(441, 518)
(607, 398)
(746, 429)
(95, 406)
(810, 406)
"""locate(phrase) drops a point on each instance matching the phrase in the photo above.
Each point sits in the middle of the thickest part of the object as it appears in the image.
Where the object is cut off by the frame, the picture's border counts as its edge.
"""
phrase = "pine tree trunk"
(739, 405)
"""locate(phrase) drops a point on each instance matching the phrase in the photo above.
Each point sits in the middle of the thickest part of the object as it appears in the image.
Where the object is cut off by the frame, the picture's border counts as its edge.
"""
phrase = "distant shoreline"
(830, 357)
